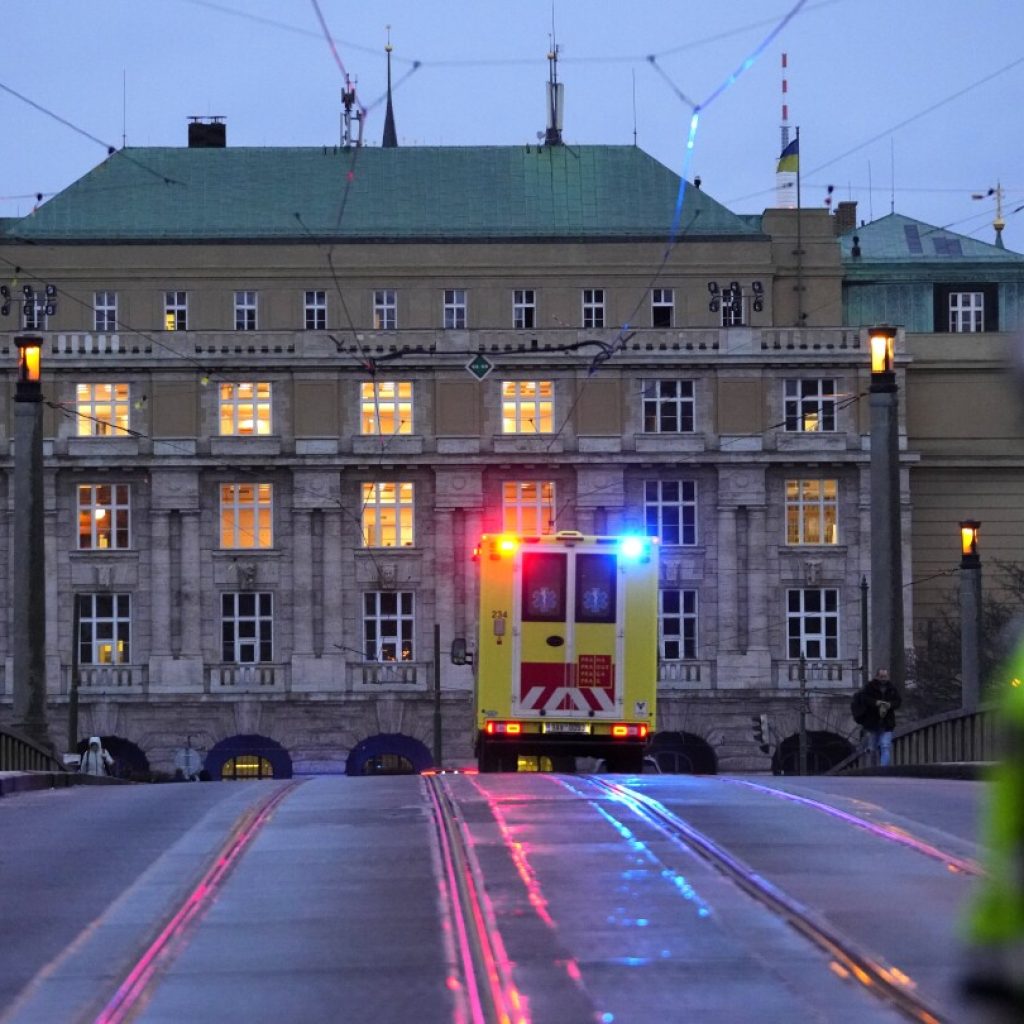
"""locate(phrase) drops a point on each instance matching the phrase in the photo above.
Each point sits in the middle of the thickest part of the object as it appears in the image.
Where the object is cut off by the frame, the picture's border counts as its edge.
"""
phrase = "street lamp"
(28, 569)
(970, 615)
(886, 526)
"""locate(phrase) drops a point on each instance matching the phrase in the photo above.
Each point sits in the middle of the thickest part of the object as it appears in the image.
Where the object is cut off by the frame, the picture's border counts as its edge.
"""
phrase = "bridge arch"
(683, 753)
(388, 754)
(824, 751)
(248, 756)
(130, 761)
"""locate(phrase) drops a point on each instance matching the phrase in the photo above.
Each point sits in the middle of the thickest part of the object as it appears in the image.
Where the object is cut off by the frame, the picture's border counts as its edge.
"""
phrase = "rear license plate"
(579, 728)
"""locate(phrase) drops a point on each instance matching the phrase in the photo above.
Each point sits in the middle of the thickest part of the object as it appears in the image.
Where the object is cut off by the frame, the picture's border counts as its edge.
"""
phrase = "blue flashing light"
(633, 548)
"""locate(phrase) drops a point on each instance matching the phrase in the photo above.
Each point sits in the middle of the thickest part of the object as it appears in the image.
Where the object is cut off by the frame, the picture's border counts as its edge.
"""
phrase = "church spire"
(390, 140)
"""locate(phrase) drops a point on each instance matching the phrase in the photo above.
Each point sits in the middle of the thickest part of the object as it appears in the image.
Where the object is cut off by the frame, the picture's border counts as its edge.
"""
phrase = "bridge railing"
(955, 737)
(20, 754)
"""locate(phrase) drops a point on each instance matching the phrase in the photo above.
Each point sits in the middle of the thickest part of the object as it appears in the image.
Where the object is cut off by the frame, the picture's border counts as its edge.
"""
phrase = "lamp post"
(886, 530)
(970, 615)
(28, 575)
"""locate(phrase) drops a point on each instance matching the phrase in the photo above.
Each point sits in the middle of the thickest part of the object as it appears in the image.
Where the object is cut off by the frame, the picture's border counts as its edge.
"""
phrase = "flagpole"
(799, 243)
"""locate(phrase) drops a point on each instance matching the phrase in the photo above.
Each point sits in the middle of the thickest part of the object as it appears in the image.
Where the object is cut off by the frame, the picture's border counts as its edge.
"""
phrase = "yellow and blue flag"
(790, 159)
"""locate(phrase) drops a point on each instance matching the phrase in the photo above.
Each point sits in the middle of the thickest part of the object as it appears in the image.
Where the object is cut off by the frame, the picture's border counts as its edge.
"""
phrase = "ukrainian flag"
(790, 159)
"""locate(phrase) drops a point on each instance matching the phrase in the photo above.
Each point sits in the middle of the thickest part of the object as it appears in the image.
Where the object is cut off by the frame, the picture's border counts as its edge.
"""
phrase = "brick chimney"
(207, 133)
(845, 218)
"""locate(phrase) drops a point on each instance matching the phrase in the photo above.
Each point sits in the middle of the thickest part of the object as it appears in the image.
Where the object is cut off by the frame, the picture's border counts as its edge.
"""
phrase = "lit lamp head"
(883, 343)
(30, 347)
(969, 538)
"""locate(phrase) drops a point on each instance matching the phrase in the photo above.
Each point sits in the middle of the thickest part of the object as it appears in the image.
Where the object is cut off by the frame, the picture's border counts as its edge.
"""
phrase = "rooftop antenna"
(999, 223)
(634, 106)
(351, 115)
(553, 134)
(892, 175)
(785, 178)
(390, 139)
(124, 108)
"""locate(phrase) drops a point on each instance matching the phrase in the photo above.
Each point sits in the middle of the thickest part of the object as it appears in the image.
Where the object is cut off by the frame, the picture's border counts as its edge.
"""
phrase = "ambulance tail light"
(503, 728)
(623, 731)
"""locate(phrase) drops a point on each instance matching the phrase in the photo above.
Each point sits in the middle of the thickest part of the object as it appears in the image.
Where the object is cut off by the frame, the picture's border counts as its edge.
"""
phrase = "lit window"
(247, 628)
(245, 409)
(677, 625)
(247, 515)
(388, 625)
(662, 306)
(103, 517)
(812, 512)
(104, 629)
(810, 405)
(527, 406)
(176, 311)
(668, 406)
(670, 510)
(528, 507)
(524, 309)
(593, 307)
(812, 623)
(387, 515)
(386, 407)
(966, 312)
(454, 309)
(247, 766)
(315, 308)
(385, 310)
(245, 311)
(104, 310)
(102, 409)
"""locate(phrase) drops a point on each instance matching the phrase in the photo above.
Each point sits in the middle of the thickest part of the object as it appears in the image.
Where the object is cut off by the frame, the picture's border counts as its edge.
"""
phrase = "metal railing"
(955, 737)
(20, 754)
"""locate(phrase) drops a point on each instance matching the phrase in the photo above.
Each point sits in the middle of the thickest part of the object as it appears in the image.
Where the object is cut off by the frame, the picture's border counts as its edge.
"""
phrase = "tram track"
(847, 959)
(486, 992)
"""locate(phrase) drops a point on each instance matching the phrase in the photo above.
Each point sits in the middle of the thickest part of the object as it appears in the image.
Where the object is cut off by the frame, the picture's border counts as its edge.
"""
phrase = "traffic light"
(761, 734)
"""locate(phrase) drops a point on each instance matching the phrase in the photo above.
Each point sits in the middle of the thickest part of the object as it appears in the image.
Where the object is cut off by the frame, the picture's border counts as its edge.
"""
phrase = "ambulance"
(567, 652)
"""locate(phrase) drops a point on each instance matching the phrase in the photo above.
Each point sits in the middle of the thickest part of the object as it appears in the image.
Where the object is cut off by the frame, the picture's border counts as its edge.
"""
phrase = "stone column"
(191, 588)
(757, 579)
(160, 584)
(302, 581)
(727, 581)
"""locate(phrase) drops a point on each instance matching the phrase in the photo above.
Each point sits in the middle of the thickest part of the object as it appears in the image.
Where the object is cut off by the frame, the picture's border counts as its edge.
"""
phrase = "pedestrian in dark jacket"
(874, 709)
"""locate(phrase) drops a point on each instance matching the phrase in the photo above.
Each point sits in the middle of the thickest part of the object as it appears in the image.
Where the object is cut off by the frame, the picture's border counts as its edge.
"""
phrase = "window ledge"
(247, 444)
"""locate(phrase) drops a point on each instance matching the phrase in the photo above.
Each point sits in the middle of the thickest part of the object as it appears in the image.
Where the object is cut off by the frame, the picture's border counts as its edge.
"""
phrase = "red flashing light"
(489, 728)
(622, 730)
(505, 728)
(643, 731)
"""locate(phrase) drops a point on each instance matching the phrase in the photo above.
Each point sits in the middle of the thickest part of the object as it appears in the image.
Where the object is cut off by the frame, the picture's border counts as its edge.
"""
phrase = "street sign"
(479, 366)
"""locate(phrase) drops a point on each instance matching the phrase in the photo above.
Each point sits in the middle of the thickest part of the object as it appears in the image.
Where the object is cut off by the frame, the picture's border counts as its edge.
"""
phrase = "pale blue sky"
(857, 68)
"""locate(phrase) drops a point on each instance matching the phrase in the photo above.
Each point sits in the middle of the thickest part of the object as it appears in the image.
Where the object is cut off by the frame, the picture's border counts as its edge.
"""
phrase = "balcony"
(828, 675)
(686, 675)
(233, 678)
(107, 679)
(388, 675)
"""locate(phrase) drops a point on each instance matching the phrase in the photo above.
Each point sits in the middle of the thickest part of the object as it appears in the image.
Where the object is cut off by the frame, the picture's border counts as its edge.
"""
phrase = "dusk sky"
(907, 101)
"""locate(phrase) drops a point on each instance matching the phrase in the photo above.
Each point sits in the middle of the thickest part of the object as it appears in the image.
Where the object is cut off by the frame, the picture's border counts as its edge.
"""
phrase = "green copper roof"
(414, 193)
(899, 239)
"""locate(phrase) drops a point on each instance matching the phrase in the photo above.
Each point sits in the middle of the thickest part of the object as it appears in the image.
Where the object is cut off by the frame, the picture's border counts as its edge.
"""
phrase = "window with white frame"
(593, 307)
(528, 507)
(810, 405)
(314, 306)
(524, 309)
(175, 311)
(385, 309)
(966, 312)
(527, 406)
(662, 306)
(104, 517)
(246, 304)
(454, 309)
(245, 408)
(387, 515)
(33, 313)
(670, 511)
(677, 625)
(247, 627)
(388, 625)
(812, 511)
(812, 623)
(669, 406)
(104, 629)
(385, 407)
(732, 305)
(247, 515)
(103, 409)
(104, 311)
